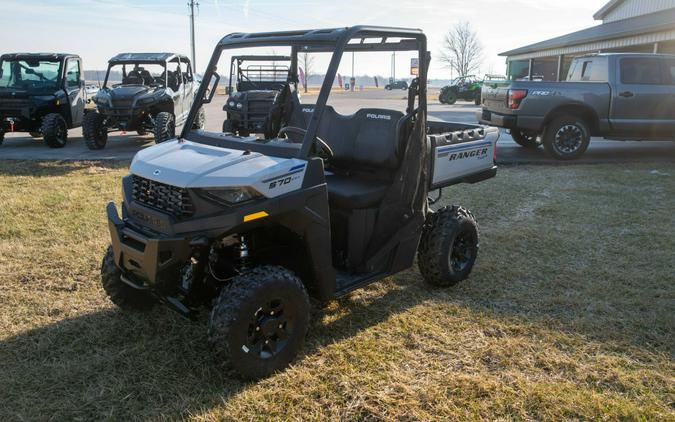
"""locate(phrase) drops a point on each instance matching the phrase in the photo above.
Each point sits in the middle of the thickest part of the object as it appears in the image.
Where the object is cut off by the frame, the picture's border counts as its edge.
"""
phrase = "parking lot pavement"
(123, 147)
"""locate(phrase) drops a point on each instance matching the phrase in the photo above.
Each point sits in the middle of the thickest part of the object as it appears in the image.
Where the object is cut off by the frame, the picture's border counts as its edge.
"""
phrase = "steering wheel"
(323, 147)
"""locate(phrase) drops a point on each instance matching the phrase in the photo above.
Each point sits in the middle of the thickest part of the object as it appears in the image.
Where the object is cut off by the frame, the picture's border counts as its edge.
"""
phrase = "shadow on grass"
(116, 365)
(56, 168)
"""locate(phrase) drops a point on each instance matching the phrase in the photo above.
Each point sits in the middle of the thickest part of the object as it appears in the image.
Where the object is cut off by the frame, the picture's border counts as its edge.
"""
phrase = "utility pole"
(192, 5)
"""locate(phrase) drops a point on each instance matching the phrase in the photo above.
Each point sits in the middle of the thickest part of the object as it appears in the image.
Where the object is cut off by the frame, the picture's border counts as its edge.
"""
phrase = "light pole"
(192, 5)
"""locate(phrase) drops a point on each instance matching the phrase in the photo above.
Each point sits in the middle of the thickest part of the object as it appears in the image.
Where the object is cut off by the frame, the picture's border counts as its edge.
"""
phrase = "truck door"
(640, 100)
(74, 86)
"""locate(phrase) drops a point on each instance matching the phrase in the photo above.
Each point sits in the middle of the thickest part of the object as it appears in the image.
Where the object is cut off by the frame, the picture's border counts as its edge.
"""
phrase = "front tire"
(450, 98)
(259, 321)
(55, 130)
(567, 137)
(200, 120)
(94, 130)
(227, 126)
(525, 139)
(165, 127)
(449, 246)
(120, 293)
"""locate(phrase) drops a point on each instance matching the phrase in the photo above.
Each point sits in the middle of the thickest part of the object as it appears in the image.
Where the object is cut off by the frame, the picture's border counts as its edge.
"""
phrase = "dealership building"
(636, 26)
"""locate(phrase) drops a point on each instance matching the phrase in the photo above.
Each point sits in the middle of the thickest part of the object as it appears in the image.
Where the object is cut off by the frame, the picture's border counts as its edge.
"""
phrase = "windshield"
(30, 75)
(150, 74)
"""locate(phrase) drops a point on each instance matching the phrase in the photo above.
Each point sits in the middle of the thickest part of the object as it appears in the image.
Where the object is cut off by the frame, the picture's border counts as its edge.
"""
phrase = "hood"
(191, 165)
(129, 91)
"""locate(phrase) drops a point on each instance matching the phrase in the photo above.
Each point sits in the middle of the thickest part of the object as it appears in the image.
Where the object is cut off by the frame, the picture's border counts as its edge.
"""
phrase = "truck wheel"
(259, 321)
(566, 137)
(525, 139)
(120, 293)
(165, 127)
(35, 134)
(54, 130)
(94, 130)
(200, 120)
(449, 246)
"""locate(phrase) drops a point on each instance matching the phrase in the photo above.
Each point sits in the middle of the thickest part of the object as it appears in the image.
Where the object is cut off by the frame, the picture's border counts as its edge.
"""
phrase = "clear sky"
(99, 29)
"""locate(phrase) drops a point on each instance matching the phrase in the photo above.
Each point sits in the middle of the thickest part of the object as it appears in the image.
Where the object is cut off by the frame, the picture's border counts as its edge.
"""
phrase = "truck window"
(641, 71)
(586, 70)
(670, 72)
(73, 73)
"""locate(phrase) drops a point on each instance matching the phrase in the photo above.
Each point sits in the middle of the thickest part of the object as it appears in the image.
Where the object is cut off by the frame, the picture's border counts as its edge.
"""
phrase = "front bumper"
(145, 258)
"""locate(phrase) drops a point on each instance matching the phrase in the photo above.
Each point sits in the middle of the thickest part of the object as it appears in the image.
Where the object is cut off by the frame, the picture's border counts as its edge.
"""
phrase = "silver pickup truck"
(616, 96)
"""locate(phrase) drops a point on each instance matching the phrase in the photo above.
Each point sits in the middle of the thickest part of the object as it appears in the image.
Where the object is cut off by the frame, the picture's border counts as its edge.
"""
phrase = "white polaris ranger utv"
(319, 205)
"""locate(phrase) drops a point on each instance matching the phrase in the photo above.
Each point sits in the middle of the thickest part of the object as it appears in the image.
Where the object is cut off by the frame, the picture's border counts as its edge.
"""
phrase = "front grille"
(122, 103)
(13, 103)
(165, 198)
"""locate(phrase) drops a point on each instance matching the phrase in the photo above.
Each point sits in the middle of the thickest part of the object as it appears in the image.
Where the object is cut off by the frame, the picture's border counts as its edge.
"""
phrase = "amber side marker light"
(255, 216)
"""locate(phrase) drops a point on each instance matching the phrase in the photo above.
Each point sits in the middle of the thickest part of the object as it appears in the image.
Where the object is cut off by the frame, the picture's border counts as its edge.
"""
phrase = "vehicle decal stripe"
(299, 166)
(283, 175)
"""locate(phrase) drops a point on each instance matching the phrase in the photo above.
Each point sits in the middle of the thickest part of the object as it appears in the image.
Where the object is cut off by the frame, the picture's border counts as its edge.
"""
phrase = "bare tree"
(462, 51)
(307, 65)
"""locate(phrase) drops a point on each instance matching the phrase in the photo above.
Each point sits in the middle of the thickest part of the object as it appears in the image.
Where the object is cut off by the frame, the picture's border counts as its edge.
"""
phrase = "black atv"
(466, 88)
(42, 94)
(155, 94)
(255, 89)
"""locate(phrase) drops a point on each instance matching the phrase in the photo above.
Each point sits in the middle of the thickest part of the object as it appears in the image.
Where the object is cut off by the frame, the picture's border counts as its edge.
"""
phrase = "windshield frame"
(335, 41)
(134, 63)
(59, 78)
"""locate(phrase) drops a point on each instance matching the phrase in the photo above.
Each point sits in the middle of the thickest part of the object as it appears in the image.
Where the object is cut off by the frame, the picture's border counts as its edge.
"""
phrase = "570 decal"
(280, 182)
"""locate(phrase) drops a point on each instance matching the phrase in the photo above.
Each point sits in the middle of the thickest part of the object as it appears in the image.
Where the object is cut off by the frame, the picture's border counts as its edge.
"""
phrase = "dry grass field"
(569, 314)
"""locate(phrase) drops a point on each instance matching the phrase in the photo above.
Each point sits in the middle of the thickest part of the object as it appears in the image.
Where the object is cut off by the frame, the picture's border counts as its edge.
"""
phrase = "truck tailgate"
(461, 153)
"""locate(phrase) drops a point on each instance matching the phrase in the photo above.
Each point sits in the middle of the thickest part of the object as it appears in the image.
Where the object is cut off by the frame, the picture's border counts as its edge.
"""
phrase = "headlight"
(233, 196)
(232, 104)
(240, 106)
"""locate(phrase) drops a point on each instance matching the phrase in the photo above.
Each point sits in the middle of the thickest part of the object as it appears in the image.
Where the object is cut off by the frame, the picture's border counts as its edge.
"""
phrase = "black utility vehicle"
(42, 94)
(396, 85)
(250, 227)
(620, 96)
(154, 94)
(255, 89)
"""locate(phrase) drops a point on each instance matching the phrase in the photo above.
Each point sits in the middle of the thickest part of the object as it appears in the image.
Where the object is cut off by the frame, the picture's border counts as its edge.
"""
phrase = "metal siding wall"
(632, 8)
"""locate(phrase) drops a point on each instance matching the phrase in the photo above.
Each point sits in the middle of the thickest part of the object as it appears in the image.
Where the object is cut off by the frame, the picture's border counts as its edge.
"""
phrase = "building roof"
(600, 14)
(653, 22)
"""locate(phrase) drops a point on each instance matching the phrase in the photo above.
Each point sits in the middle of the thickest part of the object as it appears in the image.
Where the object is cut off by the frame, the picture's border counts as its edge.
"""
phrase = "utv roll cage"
(267, 75)
(162, 59)
(336, 41)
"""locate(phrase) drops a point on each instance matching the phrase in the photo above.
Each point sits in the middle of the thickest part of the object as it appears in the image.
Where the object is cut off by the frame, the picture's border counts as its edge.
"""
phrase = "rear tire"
(259, 322)
(35, 134)
(120, 293)
(54, 130)
(525, 139)
(94, 130)
(227, 126)
(449, 246)
(165, 127)
(200, 120)
(567, 137)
